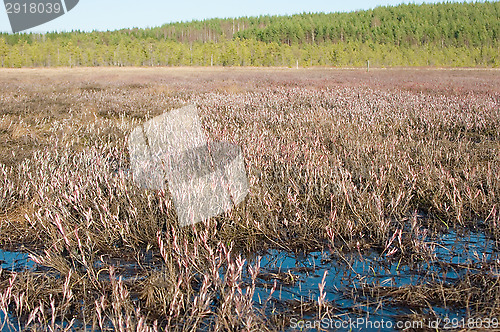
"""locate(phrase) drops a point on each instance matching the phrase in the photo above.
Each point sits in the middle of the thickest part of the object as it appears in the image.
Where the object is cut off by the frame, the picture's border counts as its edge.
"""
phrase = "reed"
(372, 164)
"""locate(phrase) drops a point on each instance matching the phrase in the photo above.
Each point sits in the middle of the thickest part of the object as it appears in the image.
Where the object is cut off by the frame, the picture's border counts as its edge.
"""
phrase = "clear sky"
(105, 15)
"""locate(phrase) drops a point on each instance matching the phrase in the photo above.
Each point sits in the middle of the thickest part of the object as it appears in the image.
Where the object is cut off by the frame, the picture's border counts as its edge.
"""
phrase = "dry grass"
(344, 160)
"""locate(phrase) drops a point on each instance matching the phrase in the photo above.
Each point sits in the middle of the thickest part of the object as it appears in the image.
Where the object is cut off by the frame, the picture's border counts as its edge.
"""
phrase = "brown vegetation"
(337, 160)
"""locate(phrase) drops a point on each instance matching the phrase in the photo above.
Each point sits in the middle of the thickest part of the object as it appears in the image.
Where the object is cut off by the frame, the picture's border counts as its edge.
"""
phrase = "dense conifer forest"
(444, 34)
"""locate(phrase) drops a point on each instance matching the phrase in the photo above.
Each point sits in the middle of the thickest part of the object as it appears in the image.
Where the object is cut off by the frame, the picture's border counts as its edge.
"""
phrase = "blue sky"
(104, 15)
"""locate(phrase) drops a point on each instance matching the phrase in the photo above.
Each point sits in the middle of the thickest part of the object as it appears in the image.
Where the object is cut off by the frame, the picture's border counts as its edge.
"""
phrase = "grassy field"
(340, 162)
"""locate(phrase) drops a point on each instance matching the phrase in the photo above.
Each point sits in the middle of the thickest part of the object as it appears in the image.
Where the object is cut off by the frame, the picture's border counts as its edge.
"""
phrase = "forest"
(443, 34)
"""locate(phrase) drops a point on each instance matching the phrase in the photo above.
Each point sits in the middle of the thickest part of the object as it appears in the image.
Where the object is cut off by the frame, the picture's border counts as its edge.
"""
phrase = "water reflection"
(15, 261)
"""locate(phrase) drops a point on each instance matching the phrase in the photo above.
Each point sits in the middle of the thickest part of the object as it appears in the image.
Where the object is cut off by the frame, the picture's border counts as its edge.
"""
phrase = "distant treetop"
(444, 24)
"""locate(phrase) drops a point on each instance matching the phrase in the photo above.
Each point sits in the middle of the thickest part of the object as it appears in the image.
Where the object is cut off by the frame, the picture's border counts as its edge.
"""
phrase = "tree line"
(445, 34)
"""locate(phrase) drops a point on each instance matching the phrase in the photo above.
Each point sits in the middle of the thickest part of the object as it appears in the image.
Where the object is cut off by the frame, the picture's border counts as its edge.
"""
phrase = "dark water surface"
(348, 275)
(289, 285)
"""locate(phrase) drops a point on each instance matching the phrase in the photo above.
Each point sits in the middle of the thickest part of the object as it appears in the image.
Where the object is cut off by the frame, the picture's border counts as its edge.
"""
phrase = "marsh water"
(289, 284)
(349, 276)
(15, 261)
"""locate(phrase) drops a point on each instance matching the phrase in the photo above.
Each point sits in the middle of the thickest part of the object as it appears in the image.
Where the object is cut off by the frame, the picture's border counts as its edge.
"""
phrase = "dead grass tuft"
(360, 166)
